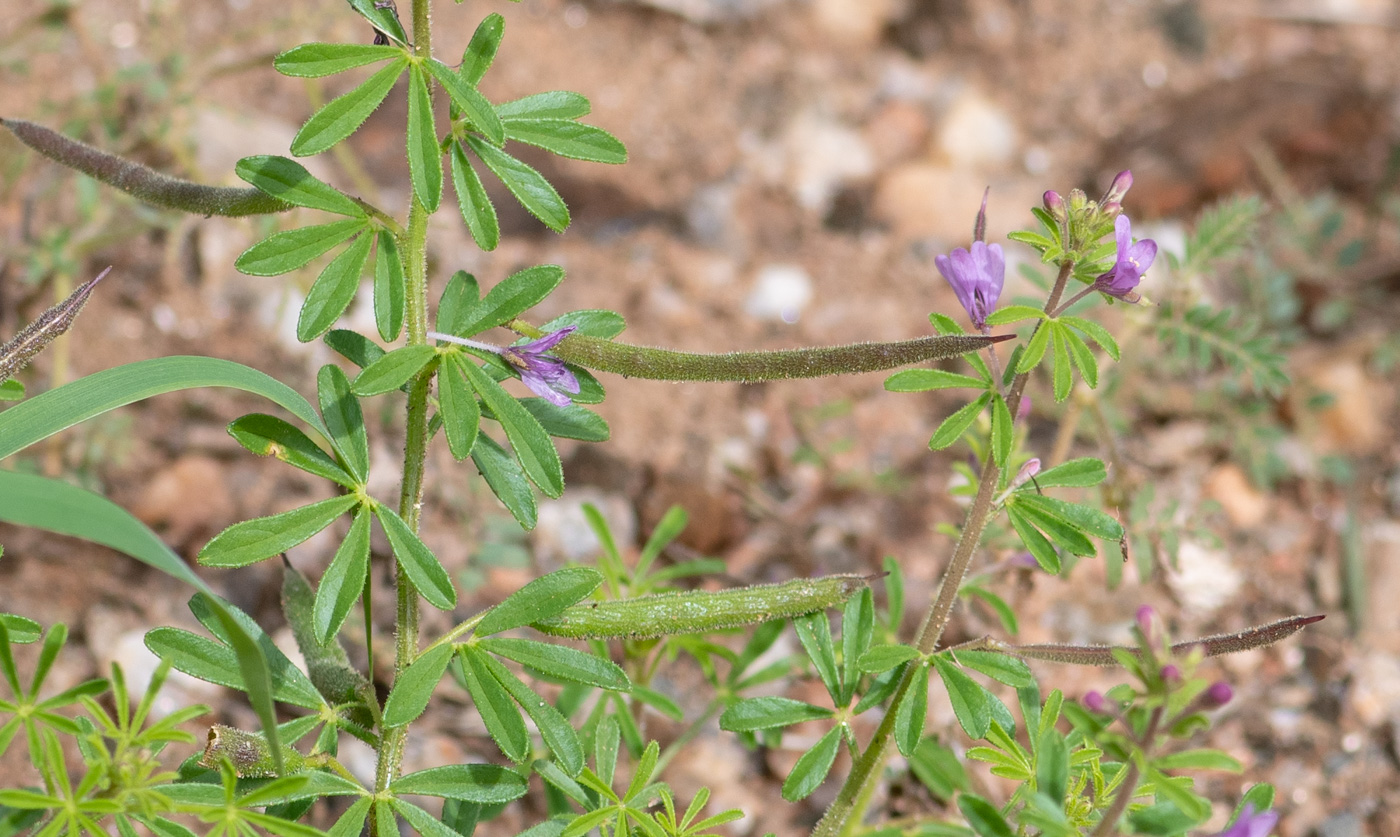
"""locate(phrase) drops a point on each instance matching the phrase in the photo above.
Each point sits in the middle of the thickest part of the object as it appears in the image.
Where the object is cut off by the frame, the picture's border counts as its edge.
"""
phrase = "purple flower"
(1122, 182)
(1133, 261)
(1217, 694)
(976, 277)
(1250, 824)
(546, 376)
(1095, 702)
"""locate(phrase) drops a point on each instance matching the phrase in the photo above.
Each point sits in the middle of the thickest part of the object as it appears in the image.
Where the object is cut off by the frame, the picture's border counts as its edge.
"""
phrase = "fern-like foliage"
(1204, 337)
(1222, 231)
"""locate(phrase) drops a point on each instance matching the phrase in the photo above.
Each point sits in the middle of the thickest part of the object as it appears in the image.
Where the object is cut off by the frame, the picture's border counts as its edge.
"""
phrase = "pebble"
(823, 155)
(921, 199)
(1354, 422)
(165, 502)
(563, 535)
(1381, 541)
(1375, 688)
(1244, 504)
(854, 21)
(976, 133)
(138, 665)
(780, 293)
(898, 130)
(1205, 579)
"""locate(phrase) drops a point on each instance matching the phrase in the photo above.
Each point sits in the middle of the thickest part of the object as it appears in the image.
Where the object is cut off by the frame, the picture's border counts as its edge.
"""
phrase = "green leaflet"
(261, 538)
(317, 60)
(289, 180)
(332, 291)
(340, 117)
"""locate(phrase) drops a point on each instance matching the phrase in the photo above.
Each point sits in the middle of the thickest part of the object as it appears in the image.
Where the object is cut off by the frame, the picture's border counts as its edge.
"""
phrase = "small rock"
(563, 535)
(1204, 579)
(824, 155)
(854, 21)
(897, 131)
(976, 133)
(1355, 420)
(1244, 504)
(920, 199)
(780, 293)
(709, 216)
(166, 501)
(1382, 618)
(138, 667)
(1341, 824)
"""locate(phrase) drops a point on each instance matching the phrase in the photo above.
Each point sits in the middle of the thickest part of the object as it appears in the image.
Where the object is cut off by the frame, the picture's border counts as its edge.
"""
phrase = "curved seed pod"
(16, 354)
(751, 367)
(326, 664)
(692, 612)
(141, 182)
(1102, 655)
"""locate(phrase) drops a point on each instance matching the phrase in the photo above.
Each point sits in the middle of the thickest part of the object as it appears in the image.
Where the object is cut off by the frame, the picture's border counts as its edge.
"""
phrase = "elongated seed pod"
(248, 752)
(327, 664)
(16, 354)
(693, 612)
(752, 367)
(142, 182)
(1211, 646)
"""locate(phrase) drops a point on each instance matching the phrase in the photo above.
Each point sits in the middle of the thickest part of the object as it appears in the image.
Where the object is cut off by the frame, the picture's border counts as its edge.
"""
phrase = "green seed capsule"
(691, 612)
(249, 753)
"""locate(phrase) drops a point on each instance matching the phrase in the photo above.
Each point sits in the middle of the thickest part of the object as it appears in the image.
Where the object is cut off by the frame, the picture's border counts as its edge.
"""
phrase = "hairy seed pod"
(1210, 646)
(752, 367)
(326, 664)
(16, 354)
(249, 754)
(142, 182)
(692, 612)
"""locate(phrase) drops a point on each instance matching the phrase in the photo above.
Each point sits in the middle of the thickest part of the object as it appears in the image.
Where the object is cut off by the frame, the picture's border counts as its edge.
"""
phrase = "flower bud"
(979, 226)
(1095, 702)
(1028, 470)
(1122, 182)
(1023, 410)
(1055, 205)
(1171, 673)
(1217, 695)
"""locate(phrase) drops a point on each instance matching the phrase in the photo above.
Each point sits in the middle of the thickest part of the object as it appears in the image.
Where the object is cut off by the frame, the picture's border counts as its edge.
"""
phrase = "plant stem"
(415, 254)
(1125, 788)
(848, 809)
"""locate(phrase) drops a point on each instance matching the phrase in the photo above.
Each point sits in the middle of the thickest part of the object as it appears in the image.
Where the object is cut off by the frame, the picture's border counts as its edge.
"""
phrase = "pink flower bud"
(1122, 182)
(1024, 408)
(979, 227)
(1095, 702)
(1028, 470)
(1217, 694)
(1054, 204)
(1171, 673)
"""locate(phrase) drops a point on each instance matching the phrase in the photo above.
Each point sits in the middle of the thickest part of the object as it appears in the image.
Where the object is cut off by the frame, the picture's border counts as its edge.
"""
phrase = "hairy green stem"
(850, 804)
(1125, 788)
(416, 437)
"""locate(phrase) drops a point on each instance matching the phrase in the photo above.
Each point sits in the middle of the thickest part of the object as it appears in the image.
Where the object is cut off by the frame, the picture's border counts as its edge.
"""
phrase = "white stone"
(139, 665)
(780, 293)
(1204, 579)
(563, 534)
(976, 133)
(824, 155)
